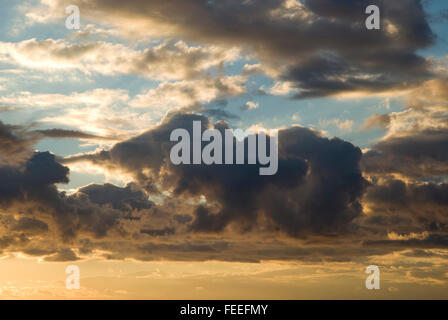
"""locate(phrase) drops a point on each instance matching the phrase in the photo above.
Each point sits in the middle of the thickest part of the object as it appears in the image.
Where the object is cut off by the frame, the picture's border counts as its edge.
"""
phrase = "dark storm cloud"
(33, 188)
(30, 225)
(365, 61)
(432, 144)
(397, 191)
(321, 45)
(158, 232)
(418, 154)
(310, 193)
(34, 181)
(408, 207)
(416, 144)
(28, 182)
(94, 209)
(15, 144)
(128, 198)
(327, 201)
(332, 74)
(148, 150)
(316, 195)
(316, 189)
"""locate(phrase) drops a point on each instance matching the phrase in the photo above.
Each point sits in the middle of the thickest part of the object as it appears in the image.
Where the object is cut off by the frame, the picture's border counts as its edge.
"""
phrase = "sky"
(86, 178)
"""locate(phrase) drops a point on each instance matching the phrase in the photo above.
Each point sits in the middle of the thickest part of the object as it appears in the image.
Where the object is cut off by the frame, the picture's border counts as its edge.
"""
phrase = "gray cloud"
(292, 199)
(158, 232)
(408, 207)
(322, 46)
(418, 154)
(125, 199)
(316, 198)
(32, 190)
(30, 225)
(15, 144)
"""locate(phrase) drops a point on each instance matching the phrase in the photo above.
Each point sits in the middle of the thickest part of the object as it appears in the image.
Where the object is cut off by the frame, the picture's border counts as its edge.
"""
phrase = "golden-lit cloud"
(169, 60)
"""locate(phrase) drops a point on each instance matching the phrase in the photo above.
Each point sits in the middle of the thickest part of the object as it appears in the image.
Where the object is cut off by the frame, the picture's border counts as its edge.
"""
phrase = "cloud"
(61, 133)
(32, 190)
(328, 202)
(63, 255)
(169, 60)
(320, 46)
(344, 125)
(423, 154)
(319, 193)
(415, 211)
(125, 199)
(376, 120)
(416, 140)
(104, 113)
(15, 144)
(249, 105)
(180, 94)
(239, 192)
(217, 212)
(30, 225)
(158, 232)
(407, 169)
(281, 88)
(220, 114)
(97, 97)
